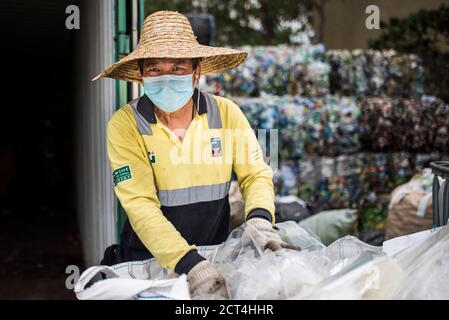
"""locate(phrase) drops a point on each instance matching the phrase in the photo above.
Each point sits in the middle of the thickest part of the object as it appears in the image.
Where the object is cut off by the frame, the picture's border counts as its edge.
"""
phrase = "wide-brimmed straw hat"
(168, 34)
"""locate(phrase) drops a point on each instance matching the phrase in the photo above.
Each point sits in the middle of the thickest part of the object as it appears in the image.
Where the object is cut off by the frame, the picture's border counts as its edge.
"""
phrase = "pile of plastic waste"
(337, 151)
(346, 269)
(346, 180)
(375, 73)
(333, 125)
(327, 125)
(312, 71)
(276, 70)
(410, 267)
(395, 124)
(351, 123)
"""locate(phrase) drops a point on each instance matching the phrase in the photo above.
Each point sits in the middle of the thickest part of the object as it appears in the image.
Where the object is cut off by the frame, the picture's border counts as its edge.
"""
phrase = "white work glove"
(262, 233)
(205, 280)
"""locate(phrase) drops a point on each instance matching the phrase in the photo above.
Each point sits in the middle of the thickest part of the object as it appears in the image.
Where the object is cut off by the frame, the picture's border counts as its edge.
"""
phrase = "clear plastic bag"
(252, 273)
(426, 268)
(346, 269)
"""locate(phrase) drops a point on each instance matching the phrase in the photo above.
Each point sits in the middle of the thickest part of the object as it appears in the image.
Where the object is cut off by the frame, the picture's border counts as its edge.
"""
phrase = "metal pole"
(134, 40)
(435, 193)
(440, 195)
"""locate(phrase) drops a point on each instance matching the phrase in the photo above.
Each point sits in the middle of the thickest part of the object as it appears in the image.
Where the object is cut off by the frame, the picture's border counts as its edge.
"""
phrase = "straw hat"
(168, 34)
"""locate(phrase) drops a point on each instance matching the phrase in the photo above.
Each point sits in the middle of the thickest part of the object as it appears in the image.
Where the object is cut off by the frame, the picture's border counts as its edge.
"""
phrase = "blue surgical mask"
(169, 92)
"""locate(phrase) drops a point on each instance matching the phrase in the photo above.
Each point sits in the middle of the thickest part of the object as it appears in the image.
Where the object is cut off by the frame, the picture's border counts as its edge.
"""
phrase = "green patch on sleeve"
(122, 174)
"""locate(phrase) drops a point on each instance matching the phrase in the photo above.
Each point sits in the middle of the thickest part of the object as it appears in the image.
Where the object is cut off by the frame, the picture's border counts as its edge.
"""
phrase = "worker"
(173, 151)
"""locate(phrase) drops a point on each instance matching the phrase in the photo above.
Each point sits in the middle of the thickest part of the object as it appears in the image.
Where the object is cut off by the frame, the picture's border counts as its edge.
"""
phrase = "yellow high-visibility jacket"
(175, 193)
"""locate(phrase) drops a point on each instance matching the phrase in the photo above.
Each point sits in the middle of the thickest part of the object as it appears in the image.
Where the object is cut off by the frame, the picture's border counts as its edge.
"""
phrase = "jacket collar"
(146, 107)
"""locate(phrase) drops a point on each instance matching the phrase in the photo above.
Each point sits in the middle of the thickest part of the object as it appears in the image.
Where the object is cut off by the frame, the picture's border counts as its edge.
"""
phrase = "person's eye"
(177, 68)
(152, 69)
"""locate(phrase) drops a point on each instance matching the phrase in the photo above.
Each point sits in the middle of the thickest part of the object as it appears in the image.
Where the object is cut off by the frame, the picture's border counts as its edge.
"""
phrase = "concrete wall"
(344, 26)
(95, 104)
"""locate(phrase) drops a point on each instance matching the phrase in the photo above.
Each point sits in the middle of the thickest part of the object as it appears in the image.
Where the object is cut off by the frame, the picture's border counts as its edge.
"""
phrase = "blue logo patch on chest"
(216, 147)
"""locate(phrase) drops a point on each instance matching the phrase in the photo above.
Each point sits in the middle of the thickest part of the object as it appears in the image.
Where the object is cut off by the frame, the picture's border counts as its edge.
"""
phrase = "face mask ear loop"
(198, 90)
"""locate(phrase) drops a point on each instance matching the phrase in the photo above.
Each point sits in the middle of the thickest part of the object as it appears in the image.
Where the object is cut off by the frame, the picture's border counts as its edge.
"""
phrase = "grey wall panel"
(95, 105)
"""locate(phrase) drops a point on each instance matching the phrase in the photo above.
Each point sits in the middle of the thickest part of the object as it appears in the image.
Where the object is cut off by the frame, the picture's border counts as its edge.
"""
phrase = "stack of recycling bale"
(352, 124)
(311, 71)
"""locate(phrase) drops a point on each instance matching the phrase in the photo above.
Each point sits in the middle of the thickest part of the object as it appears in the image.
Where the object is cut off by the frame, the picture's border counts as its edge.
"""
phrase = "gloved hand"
(263, 234)
(204, 279)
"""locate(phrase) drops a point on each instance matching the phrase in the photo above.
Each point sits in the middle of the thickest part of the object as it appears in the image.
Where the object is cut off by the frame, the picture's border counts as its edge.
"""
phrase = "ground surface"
(35, 253)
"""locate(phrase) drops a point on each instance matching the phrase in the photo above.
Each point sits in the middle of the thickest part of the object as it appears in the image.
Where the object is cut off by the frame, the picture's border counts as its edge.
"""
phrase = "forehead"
(158, 61)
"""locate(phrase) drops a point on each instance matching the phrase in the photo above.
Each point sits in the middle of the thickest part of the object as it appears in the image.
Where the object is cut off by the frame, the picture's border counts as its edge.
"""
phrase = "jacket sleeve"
(254, 176)
(135, 188)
